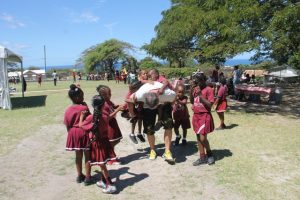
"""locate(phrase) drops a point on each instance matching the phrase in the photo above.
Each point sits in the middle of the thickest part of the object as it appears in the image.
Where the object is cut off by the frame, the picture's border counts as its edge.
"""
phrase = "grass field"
(257, 158)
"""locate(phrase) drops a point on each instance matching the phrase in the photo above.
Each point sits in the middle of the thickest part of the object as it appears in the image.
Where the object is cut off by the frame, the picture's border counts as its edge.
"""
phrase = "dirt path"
(40, 168)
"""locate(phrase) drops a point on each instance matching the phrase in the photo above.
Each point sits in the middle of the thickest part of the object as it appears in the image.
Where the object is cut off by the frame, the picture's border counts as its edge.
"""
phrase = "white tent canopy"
(5, 56)
(284, 73)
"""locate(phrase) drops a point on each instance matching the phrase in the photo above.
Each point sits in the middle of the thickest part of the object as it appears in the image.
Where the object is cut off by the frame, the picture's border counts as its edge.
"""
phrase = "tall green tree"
(215, 30)
(106, 55)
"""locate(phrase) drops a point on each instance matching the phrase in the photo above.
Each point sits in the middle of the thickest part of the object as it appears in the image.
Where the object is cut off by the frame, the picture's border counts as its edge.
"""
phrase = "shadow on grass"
(219, 154)
(121, 184)
(28, 102)
(181, 152)
(231, 126)
(132, 157)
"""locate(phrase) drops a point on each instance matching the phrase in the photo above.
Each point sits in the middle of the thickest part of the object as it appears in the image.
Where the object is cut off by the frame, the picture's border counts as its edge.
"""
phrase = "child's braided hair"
(97, 103)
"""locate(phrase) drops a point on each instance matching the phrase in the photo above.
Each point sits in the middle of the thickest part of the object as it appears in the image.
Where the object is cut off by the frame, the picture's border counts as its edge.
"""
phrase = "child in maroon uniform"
(110, 110)
(77, 139)
(138, 118)
(181, 115)
(203, 98)
(102, 151)
(221, 103)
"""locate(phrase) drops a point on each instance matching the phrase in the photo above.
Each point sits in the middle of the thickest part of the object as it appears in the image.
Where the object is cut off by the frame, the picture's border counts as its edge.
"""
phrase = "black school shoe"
(80, 178)
(133, 138)
(88, 181)
(184, 142)
(141, 138)
(200, 161)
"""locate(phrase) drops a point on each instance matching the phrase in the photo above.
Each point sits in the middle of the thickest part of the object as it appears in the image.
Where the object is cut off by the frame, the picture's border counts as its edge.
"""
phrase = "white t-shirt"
(54, 75)
(167, 96)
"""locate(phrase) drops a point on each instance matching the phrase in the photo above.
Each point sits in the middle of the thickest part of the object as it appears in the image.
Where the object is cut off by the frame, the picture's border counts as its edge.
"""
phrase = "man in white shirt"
(150, 94)
(54, 76)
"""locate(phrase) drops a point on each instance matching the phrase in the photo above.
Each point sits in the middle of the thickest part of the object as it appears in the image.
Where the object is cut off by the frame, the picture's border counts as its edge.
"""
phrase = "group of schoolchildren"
(95, 135)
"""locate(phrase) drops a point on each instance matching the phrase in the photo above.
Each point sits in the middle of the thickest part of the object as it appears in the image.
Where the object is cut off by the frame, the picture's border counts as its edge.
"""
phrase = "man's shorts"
(167, 119)
(149, 118)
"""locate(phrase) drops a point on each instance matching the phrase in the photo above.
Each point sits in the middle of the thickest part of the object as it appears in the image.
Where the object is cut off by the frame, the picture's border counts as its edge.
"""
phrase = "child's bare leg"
(184, 133)
(104, 172)
(78, 161)
(202, 159)
(205, 143)
(140, 125)
(109, 186)
(139, 136)
(178, 136)
(131, 109)
(132, 135)
(87, 155)
(221, 117)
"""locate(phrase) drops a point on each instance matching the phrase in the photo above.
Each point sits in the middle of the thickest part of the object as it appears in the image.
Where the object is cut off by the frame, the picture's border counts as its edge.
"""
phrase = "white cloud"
(110, 27)
(15, 47)
(11, 21)
(89, 17)
(81, 17)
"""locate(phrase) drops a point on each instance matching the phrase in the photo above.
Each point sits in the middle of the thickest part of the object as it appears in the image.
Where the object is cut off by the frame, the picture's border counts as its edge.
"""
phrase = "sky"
(68, 27)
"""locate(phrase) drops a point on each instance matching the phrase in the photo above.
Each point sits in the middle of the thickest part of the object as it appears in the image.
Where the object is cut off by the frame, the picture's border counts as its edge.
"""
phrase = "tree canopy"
(106, 55)
(216, 30)
(148, 63)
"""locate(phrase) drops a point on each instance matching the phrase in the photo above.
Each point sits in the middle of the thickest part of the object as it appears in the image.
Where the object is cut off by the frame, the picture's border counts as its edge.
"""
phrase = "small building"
(31, 75)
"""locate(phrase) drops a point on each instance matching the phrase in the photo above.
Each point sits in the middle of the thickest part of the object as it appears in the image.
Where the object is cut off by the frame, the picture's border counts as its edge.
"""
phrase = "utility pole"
(45, 57)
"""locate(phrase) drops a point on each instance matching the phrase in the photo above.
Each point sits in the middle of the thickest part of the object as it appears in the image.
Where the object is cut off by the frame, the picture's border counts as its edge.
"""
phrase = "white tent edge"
(5, 56)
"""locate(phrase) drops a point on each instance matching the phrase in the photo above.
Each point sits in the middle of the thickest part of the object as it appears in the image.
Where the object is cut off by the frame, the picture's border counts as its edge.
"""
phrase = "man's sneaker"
(158, 125)
(211, 160)
(140, 137)
(184, 142)
(109, 189)
(152, 155)
(80, 178)
(88, 181)
(200, 161)
(169, 158)
(133, 138)
(101, 184)
(176, 142)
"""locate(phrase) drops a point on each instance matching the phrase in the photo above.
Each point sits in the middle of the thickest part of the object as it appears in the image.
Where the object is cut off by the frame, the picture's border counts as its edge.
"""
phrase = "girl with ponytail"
(101, 149)
(77, 139)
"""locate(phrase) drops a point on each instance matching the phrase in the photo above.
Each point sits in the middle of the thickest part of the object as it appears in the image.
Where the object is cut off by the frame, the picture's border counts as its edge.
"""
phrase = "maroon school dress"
(101, 149)
(77, 138)
(114, 132)
(181, 114)
(202, 121)
(222, 95)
